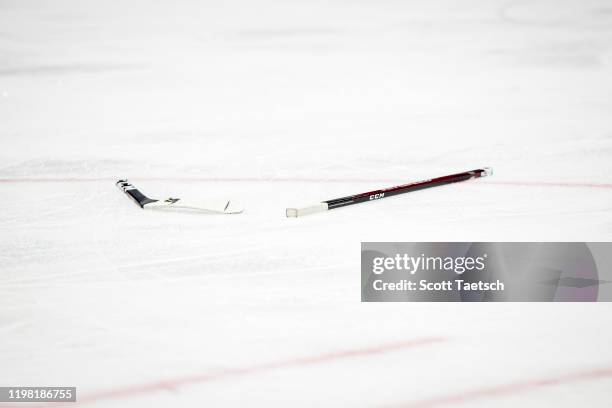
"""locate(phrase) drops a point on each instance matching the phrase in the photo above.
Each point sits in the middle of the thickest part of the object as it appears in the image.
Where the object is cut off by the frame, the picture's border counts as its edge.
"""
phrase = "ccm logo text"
(377, 196)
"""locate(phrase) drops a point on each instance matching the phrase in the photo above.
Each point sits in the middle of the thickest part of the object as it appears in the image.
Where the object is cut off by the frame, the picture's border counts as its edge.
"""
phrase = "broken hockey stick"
(387, 192)
(215, 207)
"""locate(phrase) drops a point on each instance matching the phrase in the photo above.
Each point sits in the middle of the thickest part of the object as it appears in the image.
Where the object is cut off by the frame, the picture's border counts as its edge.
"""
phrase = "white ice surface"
(284, 104)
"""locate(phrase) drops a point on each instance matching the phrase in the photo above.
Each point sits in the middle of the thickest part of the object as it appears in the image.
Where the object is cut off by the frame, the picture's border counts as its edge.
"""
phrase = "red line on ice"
(173, 384)
(508, 389)
(292, 180)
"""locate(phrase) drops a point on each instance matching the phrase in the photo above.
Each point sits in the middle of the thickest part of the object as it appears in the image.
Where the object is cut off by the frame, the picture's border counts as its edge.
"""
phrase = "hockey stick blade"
(208, 206)
(387, 192)
(178, 204)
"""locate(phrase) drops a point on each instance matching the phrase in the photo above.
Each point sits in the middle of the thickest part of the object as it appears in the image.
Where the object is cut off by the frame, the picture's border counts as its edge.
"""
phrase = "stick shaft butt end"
(299, 212)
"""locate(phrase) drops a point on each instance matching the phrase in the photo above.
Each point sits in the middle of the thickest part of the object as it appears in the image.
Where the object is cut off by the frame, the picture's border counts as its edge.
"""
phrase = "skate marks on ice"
(65, 69)
(204, 179)
(593, 14)
(570, 35)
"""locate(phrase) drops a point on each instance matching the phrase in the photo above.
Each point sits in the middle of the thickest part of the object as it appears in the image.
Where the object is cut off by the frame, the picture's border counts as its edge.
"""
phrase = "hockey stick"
(387, 192)
(216, 207)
